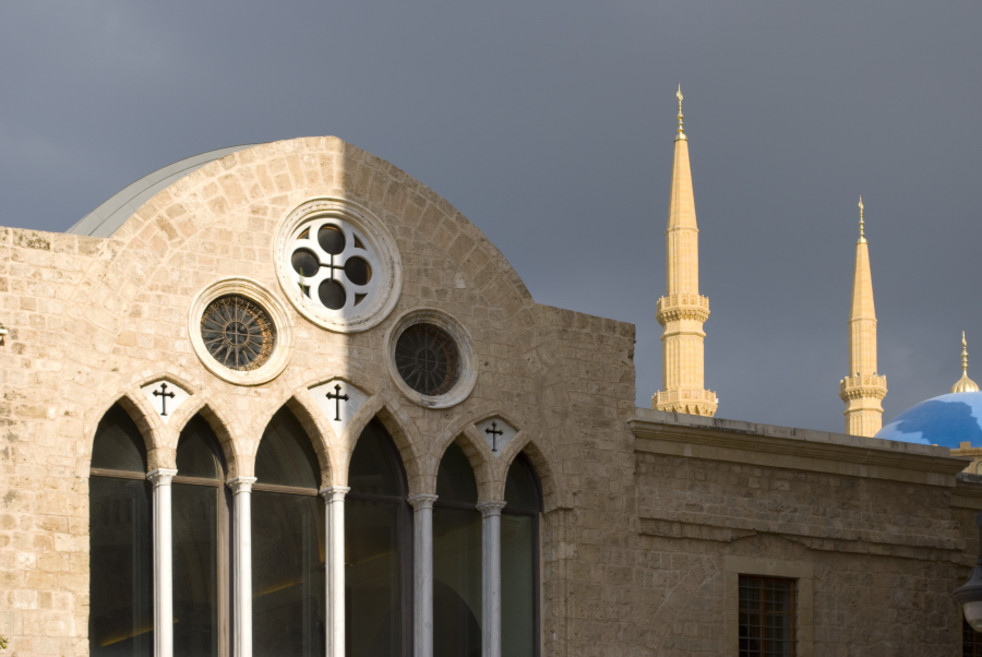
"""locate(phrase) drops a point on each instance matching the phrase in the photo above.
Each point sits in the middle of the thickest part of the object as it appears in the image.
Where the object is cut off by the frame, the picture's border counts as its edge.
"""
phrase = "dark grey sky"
(550, 126)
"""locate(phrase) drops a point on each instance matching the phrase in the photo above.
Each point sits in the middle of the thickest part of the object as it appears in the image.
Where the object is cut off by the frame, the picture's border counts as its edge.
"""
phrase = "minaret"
(864, 388)
(965, 384)
(682, 311)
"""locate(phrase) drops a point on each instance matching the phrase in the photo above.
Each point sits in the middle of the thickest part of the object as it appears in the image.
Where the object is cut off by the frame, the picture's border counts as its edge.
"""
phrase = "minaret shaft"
(683, 310)
(864, 388)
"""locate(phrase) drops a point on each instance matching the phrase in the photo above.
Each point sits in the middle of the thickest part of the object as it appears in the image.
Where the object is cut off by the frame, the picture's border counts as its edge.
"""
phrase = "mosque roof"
(105, 219)
(946, 420)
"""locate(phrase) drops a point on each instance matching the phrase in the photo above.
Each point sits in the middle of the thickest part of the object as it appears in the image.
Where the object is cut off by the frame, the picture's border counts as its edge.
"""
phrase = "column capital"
(161, 476)
(334, 493)
(491, 507)
(241, 484)
(422, 501)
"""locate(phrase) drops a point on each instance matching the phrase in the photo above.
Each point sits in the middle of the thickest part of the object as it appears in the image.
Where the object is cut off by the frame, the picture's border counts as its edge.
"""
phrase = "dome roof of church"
(946, 420)
(105, 219)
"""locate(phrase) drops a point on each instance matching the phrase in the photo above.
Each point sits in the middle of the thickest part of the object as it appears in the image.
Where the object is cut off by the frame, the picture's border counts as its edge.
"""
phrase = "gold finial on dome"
(678, 94)
(862, 228)
(965, 384)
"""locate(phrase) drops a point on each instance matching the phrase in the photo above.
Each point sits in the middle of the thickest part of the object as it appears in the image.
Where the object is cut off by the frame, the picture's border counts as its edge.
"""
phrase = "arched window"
(378, 550)
(200, 513)
(288, 605)
(120, 536)
(456, 559)
(520, 561)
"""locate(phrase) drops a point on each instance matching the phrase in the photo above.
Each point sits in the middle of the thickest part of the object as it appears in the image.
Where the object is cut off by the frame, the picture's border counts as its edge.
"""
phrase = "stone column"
(423, 573)
(163, 568)
(334, 540)
(242, 571)
(491, 577)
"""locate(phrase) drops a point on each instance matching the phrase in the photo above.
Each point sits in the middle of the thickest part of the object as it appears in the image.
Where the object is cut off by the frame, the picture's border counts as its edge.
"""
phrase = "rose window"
(338, 265)
(238, 332)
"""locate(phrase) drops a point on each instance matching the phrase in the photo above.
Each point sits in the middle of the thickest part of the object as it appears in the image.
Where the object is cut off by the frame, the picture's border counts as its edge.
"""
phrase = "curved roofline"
(108, 217)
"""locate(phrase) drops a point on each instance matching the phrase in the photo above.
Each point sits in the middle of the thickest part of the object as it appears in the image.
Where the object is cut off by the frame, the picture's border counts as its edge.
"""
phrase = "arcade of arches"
(289, 550)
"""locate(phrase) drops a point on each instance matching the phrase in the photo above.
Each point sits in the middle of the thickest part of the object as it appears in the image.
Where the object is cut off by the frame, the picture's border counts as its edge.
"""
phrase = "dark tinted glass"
(375, 468)
(120, 568)
(285, 455)
(196, 569)
(455, 479)
(287, 575)
(375, 545)
(118, 444)
(522, 490)
(378, 550)
(520, 560)
(197, 451)
(456, 582)
(519, 585)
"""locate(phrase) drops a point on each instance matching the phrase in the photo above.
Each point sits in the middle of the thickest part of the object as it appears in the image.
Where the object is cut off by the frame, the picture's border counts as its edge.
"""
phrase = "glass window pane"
(375, 468)
(121, 568)
(374, 552)
(522, 487)
(455, 478)
(519, 585)
(197, 451)
(285, 455)
(196, 575)
(118, 444)
(456, 582)
(287, 575)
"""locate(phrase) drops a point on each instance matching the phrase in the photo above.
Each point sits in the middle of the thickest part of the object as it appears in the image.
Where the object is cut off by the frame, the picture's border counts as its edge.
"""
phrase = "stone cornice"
(968, 492)
(763, 445)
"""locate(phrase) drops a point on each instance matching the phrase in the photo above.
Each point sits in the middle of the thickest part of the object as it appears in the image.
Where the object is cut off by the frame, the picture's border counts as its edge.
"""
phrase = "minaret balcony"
(863, 386)
(691, 402)
(676, 307)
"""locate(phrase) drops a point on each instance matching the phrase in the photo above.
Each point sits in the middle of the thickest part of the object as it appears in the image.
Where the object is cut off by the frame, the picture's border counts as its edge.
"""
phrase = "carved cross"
(163, 394)
(494, 432)
(338, 398)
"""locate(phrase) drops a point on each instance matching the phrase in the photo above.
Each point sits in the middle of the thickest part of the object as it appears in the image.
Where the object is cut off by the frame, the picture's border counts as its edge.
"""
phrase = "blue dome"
(945, 420)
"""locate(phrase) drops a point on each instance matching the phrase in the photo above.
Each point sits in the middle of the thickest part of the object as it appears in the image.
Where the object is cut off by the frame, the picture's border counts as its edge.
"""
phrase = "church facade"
(286, 400)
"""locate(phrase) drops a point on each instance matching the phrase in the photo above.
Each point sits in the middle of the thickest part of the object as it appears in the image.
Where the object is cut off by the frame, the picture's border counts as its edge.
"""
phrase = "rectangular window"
(767, 616)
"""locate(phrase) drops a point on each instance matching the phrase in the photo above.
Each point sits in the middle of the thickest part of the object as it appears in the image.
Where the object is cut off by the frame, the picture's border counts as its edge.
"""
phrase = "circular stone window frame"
(259, 295)
(386, 270)
(467, 372)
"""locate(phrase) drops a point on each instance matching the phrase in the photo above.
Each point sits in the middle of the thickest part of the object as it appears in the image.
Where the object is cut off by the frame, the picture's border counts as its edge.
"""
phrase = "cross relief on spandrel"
(165, 397)
(339, 401)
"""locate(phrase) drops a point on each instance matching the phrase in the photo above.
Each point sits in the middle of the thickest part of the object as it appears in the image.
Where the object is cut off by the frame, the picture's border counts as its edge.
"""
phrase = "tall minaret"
(864, 388)
(682, 311)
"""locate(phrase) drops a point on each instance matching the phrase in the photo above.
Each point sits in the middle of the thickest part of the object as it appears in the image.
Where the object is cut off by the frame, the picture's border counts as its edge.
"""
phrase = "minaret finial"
(678, 94)
(965, 384)
(862, 227)
(964, 354)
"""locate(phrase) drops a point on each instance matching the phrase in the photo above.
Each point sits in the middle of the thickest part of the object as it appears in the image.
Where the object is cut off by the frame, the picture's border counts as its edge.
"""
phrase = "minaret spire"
(864, 388)
(682, 311)
(965, 384)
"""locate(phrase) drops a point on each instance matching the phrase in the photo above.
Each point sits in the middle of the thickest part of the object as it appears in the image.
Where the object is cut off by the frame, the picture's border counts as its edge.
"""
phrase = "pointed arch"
(457, 557)
(120, 536)
(555, 493)
(378, 546)
(289, 549)
(215, 418)
(407, 446)
(201, 557)
(142, 418)
(299, 405)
